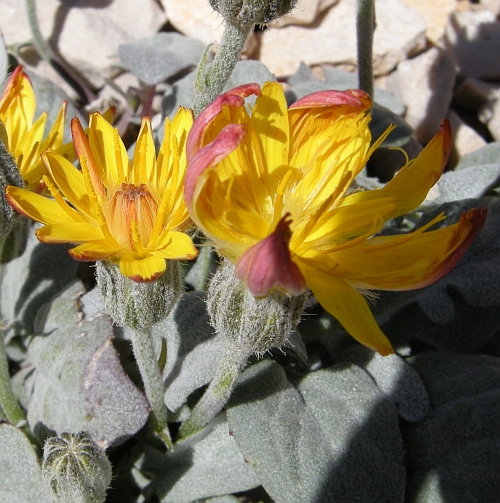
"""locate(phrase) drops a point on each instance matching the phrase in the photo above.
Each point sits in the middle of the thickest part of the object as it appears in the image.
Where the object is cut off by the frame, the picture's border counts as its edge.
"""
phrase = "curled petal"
(353, 101)
(268, 264)
(229, 138)
(234, 98)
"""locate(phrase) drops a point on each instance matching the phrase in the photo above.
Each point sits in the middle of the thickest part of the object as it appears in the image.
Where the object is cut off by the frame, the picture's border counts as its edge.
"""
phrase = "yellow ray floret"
(270, 187)
(131, 213)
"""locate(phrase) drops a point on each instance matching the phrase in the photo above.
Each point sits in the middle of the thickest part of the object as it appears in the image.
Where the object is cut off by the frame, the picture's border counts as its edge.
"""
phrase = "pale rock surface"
(86, 33)
(400, 32)
(305, 12)
(435, 13)
(489, 114)
(474, 38)
(425, 85)
(473, 93)
(465, 139)
(491, 5)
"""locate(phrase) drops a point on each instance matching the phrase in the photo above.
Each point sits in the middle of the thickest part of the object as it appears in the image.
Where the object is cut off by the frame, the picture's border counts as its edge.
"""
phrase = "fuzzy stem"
(217, 394)
(142, 343)
(13, 412)
(365, 26)
(209, 86)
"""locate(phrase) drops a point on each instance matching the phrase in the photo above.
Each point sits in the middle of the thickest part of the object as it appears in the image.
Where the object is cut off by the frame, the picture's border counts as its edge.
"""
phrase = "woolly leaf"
(209, 464)
(454, 454)
(332, 435)
(21, 480)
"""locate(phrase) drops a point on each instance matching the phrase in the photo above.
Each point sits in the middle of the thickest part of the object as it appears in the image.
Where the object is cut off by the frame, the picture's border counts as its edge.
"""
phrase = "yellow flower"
(24, 138)
(270, 188)
(126, 212)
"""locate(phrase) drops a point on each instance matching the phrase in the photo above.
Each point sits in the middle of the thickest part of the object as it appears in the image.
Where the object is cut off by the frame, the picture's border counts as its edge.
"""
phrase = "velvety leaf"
(21, 480)
(399, 382)
(382, 118)
(209, 464)
(332, 437)
(454, 454)
(31, 280)
(157, 58)
(201, 269)
(4, 61)
(192, 349)
(78, 383)
(469, 182)
(489, 154)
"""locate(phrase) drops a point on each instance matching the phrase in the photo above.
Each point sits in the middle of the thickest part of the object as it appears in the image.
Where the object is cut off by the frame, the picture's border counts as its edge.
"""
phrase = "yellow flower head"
(270, 188)
(122, 211)
(24, 138)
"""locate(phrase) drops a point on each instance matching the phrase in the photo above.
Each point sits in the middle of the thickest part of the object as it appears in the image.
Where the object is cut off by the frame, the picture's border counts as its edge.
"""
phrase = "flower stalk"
(365, 26)
(142, 344)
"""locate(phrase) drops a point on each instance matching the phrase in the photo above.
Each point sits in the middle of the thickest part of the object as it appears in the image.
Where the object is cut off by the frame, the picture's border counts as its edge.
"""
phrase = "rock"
(491, 5)
(489, 114)
(474, 39)
(425, 85)
(435, 13)
(86, 33)
(334, 39)
(465, 139)
(473, 93)
(305, 12)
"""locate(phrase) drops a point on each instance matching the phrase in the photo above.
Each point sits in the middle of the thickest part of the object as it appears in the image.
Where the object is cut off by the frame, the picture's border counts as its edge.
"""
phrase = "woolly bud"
(75, 469)
(138, 305)
(243, 12)
(9, 175)
(254, 324)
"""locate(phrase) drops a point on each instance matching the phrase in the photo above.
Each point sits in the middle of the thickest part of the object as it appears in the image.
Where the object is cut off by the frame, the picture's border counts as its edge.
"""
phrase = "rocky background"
(437, 58)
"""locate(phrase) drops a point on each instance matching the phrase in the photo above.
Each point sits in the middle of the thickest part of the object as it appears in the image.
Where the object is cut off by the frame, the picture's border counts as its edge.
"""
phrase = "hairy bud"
(242, 12)
(75, 469)
(138, 305)
(256, 325)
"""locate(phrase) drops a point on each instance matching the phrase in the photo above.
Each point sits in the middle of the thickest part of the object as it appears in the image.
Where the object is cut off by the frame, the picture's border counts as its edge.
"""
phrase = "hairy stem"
(142, 344)
(365, 26)
(209, 85)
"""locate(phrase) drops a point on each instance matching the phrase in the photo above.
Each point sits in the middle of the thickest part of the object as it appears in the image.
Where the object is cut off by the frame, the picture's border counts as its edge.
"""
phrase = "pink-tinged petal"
(142, 269)
(348, 306)
(467, 229)
(234, 98)
(354, 100)
(268, 264)
(228, 139)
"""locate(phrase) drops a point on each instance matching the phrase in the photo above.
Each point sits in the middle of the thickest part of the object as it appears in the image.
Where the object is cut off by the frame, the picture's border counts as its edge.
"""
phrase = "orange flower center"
(132, 215)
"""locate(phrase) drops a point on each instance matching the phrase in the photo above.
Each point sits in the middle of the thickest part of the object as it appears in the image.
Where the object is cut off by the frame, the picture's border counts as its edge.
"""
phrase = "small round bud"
(138, 305)
(254, 324)
(243, 12)
(75, 469)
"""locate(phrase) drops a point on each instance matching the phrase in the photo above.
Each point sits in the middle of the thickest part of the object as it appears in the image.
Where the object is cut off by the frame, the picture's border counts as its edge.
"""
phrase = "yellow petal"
(142, 269)
(36, 207)
(74, 232)
(175, 245)
(348, 306)
(144, 161)
(270, 120)
(69, 180)
(94, 250)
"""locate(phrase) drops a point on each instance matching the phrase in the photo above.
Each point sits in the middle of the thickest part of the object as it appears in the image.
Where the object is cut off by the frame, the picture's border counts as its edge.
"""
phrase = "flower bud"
(243, 12)
(75, 469)
(9, 175)
(138, 305)
(254, 324)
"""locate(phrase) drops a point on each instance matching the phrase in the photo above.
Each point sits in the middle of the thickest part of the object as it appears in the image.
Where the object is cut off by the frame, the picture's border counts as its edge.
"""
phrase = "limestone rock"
(86, 33)
(489, 114)
(473, 93)
(435, 13)
(400, 32)
(305, 12)
(465, 139)
(474, 38)
(425, 85)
